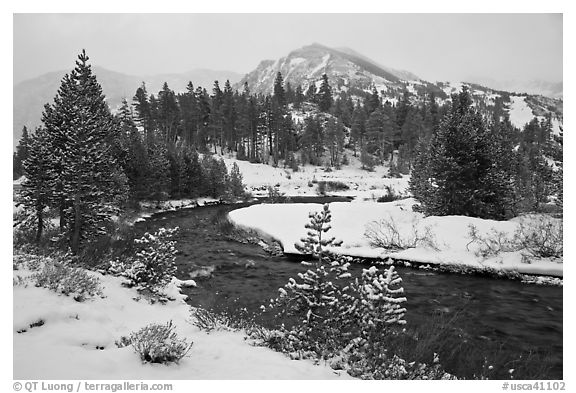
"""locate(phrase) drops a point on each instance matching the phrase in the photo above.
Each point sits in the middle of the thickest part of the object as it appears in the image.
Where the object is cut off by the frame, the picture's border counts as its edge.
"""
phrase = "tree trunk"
(40, 226)
(75, 244)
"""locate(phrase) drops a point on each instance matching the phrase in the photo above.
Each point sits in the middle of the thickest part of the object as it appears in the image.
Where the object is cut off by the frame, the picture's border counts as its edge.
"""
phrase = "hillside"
(353, 73)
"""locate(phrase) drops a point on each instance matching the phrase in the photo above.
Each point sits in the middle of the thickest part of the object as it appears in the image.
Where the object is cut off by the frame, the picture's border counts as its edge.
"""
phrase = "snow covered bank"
(76, 340)
(450, 234)
(150, 208)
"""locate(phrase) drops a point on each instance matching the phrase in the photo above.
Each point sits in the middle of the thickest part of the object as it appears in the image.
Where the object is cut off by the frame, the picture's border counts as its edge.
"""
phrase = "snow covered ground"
(362, 184)
(77, 340)
(350, 220)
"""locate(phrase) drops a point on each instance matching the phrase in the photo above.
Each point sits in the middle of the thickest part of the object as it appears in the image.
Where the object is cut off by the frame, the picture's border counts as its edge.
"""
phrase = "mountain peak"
(305, 65)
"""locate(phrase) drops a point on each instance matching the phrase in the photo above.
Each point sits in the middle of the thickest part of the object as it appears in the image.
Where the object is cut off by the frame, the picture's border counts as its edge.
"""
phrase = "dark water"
(521, 317)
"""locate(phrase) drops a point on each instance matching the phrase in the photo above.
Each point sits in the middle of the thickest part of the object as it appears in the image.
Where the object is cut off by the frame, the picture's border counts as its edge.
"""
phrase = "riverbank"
(57, 337)
(451, 243)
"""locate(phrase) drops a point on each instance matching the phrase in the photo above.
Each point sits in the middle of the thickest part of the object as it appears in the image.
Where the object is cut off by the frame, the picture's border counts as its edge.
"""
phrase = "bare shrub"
(492, 244)
(541, 237)
(208, 321)
(386, 234)
(157, 343)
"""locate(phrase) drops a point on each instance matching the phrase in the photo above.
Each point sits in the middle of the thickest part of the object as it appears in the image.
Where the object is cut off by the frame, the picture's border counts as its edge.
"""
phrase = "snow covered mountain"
(351, 72)
(345, 68)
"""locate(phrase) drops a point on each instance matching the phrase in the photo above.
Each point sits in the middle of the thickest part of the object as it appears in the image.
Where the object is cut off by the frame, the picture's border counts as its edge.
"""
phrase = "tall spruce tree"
(86, 178)
(462, 172)
(279, 92)
(20, 155)
(38, 188)
(325, 99)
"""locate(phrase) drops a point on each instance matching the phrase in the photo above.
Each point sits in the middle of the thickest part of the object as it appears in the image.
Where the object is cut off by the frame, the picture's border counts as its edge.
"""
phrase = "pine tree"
(358, 129)
(143, 111)
(20, 155)
(87, 179)
(194, 179)
(379, 139)
(236, 185)
(279, 93)
(314, 243)
(168, 114)
(325, 99)
(38, 188)
(158, 177)
(298, 97)
(313, 139)
(311, 93)
(372, 102)
(335, 140)
(462, 172)
(137, 166)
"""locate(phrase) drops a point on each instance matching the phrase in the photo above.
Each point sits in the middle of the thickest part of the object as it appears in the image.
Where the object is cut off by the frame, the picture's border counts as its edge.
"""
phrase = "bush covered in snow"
(59, 277)
(154, 264)
(157, 343)
(390, 195)
(343, 319)
(386, 234)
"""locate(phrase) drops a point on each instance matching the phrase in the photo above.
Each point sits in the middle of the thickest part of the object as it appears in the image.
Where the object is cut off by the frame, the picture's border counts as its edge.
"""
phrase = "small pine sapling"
(314, 244)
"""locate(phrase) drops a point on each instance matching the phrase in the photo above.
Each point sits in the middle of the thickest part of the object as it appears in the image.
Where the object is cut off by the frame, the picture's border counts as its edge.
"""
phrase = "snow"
(349, 221)
(362, 184)
(453, 87)
(556, 125)
(320, 66)
(520, 113)
(64, 347)
(149, 208)
(296, 61)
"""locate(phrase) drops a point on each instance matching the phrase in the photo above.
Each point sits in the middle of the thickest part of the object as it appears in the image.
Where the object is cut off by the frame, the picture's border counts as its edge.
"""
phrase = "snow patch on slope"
(520, 113)
(322, 64)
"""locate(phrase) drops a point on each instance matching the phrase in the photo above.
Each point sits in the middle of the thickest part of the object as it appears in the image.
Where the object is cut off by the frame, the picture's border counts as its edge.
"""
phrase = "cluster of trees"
(486, 168)
(84, 163)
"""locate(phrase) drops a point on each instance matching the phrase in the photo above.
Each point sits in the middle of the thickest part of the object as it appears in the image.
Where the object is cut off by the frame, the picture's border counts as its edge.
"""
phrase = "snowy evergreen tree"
(158, 178)
(38, 188)
(325, 99)
(298, 97)
(314, 243)
(279, 92)
(462, 172)
(236, 185)
(87, 178)
(20, 155)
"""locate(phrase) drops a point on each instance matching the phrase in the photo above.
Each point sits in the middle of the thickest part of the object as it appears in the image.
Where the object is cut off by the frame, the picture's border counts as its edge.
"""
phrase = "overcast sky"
(433, 46)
